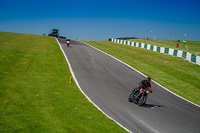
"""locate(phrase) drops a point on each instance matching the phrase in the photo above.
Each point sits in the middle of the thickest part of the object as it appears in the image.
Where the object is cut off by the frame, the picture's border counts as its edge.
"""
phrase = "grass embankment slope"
(176, 74)
(35, 93)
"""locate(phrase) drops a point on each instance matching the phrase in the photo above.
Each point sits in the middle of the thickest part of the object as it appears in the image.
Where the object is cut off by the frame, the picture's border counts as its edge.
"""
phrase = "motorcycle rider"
(68, 42)
(144, 84)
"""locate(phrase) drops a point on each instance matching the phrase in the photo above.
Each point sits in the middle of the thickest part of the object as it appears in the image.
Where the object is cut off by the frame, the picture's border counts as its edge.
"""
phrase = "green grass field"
(35, 93)
(176, 74)
(189, 46)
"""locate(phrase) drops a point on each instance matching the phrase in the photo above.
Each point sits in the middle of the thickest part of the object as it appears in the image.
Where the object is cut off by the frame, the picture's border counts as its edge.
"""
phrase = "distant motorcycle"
(68, 42)
(139, 96)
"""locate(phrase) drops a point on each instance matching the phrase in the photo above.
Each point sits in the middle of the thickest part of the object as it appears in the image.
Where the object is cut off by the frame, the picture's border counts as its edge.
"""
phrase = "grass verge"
(35, 93)
(176, 74)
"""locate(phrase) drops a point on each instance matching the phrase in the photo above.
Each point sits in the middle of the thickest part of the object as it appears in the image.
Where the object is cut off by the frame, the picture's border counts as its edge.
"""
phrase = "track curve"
(108, 83)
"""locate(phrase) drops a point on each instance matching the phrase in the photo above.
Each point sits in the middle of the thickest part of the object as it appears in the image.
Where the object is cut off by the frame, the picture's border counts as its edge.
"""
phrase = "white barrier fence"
(182, 54)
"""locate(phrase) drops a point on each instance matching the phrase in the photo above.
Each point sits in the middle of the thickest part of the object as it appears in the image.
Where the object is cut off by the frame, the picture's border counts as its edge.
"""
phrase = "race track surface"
(108, 83)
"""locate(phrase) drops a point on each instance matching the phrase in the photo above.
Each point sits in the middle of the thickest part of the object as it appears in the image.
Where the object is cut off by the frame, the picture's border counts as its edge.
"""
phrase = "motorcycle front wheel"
(142, 100)
(130, 98)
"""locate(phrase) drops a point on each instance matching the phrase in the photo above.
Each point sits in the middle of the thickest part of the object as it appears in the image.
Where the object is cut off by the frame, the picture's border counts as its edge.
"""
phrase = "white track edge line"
(144, 75)
(74, 77)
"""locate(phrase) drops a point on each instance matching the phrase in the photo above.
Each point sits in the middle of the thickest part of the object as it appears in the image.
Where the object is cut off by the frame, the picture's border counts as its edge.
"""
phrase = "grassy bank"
(176, 74)
(35, 93)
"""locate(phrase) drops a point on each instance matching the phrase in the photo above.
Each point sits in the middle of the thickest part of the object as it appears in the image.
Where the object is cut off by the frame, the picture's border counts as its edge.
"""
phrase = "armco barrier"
(182, 54)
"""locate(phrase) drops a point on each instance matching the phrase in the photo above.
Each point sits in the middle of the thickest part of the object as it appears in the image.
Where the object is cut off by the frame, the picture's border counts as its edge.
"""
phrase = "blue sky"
(103, 19)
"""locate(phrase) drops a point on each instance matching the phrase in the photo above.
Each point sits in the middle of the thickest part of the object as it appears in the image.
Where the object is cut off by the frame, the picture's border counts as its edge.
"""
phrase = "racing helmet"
(148, 79)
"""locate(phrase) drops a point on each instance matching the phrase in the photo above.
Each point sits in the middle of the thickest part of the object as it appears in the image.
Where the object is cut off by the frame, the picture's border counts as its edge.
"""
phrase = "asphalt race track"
(108, 83)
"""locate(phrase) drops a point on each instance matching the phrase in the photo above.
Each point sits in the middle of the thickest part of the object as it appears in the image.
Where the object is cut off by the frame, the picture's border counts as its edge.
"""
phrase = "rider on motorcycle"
(144, 84)
(68, 42)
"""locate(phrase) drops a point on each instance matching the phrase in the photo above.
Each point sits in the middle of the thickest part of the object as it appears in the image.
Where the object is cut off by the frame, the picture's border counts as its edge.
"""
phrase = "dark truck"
(54, 33)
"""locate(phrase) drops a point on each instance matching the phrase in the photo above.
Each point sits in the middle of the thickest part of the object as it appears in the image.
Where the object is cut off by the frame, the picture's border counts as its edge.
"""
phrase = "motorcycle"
(68, 42)
(139, 96)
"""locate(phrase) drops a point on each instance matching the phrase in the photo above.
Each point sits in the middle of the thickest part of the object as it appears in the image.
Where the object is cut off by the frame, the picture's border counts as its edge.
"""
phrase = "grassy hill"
(36, 96)
(176, 74)
(35, 93)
